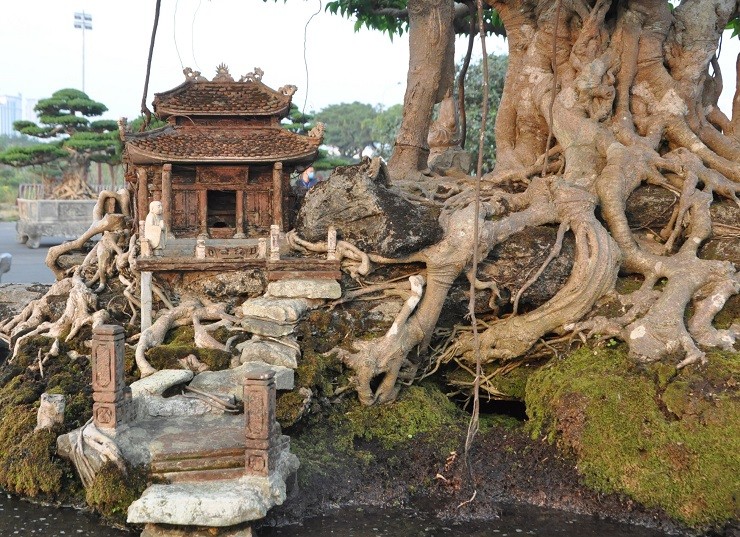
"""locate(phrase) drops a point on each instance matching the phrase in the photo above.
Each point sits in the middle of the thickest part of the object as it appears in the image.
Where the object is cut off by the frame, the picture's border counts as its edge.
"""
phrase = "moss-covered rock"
(112, 491)
(180, 342)
(666, 439)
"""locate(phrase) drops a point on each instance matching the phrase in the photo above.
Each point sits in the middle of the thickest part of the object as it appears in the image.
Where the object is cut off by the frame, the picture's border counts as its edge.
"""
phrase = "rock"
(51, 411)
(229, 287)
(451, 158)
(281, 310)
(5, 261)
(284, 351)
(159, 382)
(513, 262)
(386, 311)
(263, 327)
(230, 382)
(650, 206)
(358, 203)
(216, 503)
(329, 289)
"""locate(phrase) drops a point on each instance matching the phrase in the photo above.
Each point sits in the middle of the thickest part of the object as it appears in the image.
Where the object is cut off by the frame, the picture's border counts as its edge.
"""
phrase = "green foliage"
(497, 65)
(384, 128)
(65, 117)
(348, 127)
(366, 13)
(734, 25)
(668, 439)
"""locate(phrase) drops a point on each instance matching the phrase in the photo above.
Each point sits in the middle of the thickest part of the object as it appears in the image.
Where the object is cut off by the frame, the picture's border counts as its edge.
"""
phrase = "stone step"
(282, 351)
(218, 503)
(279, 310)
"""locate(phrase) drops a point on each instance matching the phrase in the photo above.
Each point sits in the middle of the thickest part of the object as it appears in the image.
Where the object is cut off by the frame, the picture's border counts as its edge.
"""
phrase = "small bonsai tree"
(75, 141)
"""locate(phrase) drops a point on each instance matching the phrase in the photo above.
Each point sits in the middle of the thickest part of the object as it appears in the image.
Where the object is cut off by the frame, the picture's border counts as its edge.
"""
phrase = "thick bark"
(431, 74)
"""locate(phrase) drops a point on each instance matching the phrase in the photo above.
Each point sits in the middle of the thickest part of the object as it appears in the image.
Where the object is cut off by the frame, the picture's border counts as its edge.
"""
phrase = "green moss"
(353, 435)
(27, 463)
(112, 491)
(289, 406)
(730, 313)
(419, 410)
(669, 442)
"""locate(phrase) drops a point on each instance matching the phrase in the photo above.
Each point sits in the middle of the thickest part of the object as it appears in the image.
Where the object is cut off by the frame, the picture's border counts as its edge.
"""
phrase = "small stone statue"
(154, 228)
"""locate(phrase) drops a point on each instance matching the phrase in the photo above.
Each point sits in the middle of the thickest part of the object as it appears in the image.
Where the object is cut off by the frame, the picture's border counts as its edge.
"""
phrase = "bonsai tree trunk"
(622, 93)
(431, 74)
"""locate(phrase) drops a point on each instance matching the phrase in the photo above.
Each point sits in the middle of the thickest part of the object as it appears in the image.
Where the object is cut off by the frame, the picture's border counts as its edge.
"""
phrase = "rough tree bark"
(624, 89)
(431, 74)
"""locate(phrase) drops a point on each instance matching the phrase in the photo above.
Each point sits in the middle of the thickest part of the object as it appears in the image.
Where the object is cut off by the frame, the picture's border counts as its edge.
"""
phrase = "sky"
(41, 51)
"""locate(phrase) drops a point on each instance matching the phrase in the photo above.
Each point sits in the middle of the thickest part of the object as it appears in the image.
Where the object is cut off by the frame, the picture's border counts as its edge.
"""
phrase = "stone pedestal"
(262, 429)
(111, 396)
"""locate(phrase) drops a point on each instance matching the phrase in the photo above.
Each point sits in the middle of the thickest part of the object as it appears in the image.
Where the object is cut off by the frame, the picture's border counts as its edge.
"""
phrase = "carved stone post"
(146, 300)
(167, 196)
(142, 198)
(111, 396)
(331, 244)
(262, 248)
(277, 194)
(274, 243)
(261, 427)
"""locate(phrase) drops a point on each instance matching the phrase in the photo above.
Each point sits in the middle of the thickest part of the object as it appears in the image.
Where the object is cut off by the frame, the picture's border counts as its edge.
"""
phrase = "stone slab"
(230, 382)
(280, 310)
(155, 406)
(164, 530)
(219, 503)
(301, 288)
(271, 352)
(161, 381)
(265, 327)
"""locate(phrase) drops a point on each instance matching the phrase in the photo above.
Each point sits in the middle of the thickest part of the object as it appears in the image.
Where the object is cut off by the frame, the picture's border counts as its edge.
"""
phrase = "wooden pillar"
(167, 196)
(142, 198)
(239, 215)
(203, 213)
(277, 194)
(111, 396)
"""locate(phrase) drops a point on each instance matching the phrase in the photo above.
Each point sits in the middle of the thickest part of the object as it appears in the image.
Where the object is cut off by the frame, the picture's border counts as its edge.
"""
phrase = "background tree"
(348, 127)
(497, 65)
(384, 128)
(75, 141)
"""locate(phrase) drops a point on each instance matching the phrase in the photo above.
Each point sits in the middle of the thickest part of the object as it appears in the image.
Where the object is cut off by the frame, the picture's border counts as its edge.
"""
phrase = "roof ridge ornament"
(222, 74)
(317, 131)
(254, 76)
(193, 76)
(288, 90)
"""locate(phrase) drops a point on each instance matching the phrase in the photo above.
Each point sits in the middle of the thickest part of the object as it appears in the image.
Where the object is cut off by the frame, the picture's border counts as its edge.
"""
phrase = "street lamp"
(83, 21)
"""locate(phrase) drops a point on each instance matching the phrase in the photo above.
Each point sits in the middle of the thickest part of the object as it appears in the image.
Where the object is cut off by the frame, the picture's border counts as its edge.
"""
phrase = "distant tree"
(385, 127)
(474, 106)
(75, 141)
(348, 127)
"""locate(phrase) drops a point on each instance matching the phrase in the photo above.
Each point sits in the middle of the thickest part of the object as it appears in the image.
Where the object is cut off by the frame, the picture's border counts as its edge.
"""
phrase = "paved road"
(28, 265)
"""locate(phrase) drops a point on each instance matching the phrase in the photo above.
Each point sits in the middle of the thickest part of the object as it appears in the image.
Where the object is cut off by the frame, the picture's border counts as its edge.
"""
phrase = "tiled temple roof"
(217, 144)
(249, 98)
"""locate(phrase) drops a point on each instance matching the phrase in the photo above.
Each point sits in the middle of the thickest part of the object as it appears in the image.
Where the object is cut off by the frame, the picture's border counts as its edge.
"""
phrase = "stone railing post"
(111, 396)
(331, 244)
(261, 427)
(274, 243)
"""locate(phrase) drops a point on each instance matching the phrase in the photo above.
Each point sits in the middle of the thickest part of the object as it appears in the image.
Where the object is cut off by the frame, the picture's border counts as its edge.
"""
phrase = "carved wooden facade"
(221, 165)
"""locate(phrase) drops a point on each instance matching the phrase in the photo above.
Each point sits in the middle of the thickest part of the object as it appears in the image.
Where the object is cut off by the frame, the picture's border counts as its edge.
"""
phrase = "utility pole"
(83, 21)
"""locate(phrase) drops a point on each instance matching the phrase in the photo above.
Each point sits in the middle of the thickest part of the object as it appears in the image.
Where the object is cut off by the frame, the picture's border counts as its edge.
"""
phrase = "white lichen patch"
(638, 332)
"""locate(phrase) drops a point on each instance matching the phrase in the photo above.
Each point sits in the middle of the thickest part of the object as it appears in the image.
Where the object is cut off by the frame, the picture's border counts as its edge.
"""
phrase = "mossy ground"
(113, 491)
(179, 343)
(666, 438)
(29, 465)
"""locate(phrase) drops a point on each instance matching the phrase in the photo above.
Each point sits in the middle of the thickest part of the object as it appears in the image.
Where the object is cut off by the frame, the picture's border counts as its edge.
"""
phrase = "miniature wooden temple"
(221, 166)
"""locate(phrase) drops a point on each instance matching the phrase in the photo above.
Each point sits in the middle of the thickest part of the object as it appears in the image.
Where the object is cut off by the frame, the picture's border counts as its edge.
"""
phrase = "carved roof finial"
(254, 76)
(317, 131)
(288, 90)
(222, 74)
(193, 76)
(122, 128)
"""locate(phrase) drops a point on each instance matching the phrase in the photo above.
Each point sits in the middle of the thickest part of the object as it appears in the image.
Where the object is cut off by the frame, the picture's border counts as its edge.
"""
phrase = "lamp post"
(83, 21)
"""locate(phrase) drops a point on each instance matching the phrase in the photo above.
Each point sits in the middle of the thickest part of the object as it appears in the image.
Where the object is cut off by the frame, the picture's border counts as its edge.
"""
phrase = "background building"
(11, 109)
